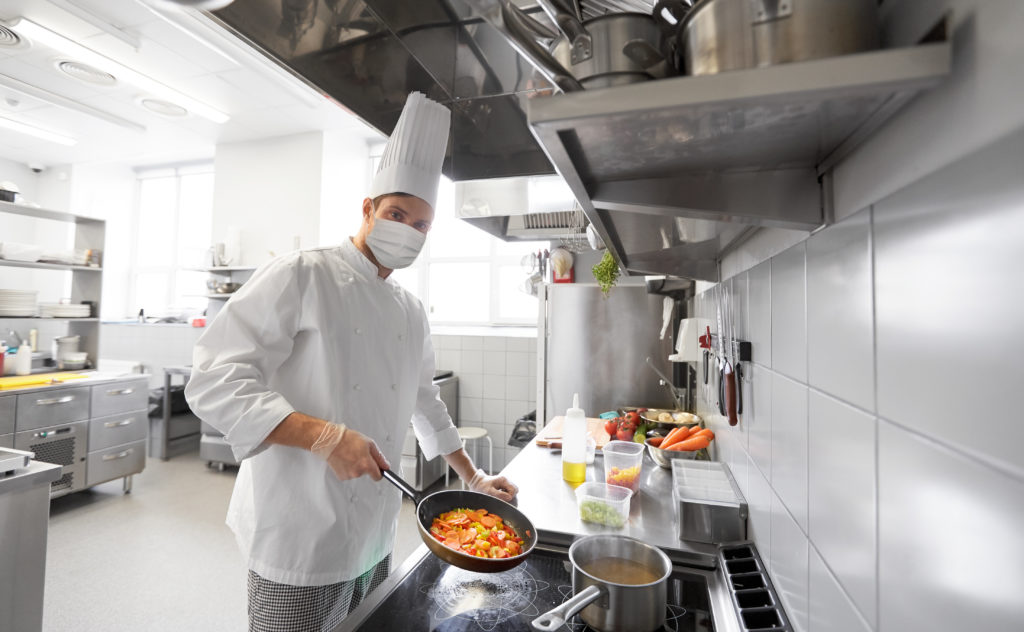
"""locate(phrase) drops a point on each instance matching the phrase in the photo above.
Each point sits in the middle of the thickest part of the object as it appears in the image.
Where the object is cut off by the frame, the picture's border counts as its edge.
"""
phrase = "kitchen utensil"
(654, 417)
(604, 504)
(709, 504)
(75, 360)
(433, 505)
(62, 346)
(552, 432)
(604, 603)
(721, 35)
(664, 458)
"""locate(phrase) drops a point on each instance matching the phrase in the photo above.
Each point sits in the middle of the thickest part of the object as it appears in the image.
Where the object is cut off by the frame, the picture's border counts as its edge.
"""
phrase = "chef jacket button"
(359, 331)
(401, 336)
(394, 387)
(387, 437)
(356, 387)
(352, 498)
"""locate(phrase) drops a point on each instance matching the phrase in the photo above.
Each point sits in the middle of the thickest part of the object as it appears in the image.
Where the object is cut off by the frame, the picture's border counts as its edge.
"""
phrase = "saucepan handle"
(398, 482)
(556, 618)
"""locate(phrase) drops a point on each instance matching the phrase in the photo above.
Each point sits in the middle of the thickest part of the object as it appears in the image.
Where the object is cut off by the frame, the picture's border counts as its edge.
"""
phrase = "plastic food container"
(603, 504)
(623, 461)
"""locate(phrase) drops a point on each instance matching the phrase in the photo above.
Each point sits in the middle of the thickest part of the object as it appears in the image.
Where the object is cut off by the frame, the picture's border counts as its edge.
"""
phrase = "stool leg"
(490, 453)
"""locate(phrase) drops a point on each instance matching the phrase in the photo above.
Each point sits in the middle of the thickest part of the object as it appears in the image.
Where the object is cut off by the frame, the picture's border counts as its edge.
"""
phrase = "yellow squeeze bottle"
(574, 444)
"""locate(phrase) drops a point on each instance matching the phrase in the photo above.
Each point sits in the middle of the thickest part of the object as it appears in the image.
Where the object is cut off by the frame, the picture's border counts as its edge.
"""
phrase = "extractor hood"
(672, 174)
(520, 209)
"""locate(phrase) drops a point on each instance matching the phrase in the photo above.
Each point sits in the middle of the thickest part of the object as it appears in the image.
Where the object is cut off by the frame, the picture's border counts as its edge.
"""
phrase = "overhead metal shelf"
(707, 159)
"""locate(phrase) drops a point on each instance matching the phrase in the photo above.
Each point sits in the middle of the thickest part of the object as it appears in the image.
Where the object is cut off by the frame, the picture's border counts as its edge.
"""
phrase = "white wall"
(274, 190)
(345, 182)
(877, 431)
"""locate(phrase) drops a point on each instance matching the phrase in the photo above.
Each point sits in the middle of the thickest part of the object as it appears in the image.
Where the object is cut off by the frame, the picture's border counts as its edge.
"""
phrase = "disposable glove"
(497, 486)
(349, 453)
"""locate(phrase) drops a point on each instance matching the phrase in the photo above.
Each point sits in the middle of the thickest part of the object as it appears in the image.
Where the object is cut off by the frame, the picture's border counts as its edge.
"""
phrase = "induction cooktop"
(439, 597)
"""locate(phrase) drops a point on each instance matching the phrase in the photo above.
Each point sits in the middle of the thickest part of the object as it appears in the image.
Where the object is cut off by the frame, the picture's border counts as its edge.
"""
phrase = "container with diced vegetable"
(622, 464)
(603, 504)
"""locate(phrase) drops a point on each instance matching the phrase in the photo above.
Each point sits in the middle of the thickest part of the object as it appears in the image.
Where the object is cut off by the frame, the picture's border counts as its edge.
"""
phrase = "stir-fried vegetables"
(476, 533)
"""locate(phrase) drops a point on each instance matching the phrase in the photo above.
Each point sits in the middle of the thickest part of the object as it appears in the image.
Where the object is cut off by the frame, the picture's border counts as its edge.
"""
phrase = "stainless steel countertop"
(93, 378)
(550, 503)
(37, 473)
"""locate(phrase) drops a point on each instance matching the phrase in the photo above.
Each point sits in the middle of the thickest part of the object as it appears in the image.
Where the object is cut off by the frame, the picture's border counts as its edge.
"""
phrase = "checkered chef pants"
(277, 607)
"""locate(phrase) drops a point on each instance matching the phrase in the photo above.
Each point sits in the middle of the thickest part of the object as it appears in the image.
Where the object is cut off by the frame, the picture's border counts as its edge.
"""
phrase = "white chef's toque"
(415, 151)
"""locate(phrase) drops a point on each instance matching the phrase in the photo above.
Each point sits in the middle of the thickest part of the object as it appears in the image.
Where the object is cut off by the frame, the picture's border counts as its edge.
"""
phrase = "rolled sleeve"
(430, 421)
(241, 348)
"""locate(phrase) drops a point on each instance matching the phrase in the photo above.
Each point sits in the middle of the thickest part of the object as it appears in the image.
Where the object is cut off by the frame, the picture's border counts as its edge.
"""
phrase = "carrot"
(707, 432)
(694, 429)
(656, 441)
(677, 434)
(691, 444)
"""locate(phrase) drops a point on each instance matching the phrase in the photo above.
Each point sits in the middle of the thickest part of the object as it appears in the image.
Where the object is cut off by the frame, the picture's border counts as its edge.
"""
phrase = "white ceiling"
(179, 48)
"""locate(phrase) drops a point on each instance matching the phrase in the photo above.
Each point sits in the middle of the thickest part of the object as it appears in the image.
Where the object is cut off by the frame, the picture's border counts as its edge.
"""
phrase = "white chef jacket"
(317, 331)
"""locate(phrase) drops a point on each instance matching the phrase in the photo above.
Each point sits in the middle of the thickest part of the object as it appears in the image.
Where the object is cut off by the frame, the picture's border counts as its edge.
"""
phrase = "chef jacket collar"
(362, 265)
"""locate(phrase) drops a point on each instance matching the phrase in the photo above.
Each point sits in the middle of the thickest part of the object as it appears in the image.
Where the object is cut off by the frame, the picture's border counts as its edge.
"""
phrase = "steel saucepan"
(433, 505)
(619, 584)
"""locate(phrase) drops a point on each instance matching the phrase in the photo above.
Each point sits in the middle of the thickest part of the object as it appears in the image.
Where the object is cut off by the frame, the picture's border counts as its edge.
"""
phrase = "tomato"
(625, 433)
(611, 426)
(633, 417)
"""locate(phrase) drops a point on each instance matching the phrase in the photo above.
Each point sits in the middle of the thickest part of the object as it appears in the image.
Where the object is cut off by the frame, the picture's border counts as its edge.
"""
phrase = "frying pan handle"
(398, 482)
(556, 618)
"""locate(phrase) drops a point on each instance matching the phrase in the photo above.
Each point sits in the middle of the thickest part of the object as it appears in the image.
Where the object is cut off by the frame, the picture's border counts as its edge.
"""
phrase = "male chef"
(313, 371)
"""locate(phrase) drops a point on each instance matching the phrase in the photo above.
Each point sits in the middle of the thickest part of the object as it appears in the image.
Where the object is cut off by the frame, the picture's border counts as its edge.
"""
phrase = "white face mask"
(394, 244)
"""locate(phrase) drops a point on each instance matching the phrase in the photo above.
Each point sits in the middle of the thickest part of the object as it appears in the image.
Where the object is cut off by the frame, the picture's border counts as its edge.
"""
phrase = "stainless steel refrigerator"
(598, 347)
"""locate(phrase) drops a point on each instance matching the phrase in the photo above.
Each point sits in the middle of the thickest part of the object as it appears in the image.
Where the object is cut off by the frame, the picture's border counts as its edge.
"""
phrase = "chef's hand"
(497, 486)
(349, 453)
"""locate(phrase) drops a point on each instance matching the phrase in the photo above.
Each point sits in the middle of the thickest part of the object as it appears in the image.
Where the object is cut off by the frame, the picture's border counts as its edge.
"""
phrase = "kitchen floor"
(160, 558)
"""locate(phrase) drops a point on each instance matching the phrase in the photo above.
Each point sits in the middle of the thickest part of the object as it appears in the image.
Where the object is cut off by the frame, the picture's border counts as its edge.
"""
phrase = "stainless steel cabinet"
(108, 399)
(50, 407)
(7, 408)
(65, 445)
(116, 462)
(119, 429)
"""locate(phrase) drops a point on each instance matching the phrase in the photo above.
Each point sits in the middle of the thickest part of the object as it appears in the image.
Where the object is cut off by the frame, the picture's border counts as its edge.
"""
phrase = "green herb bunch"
(606, 272)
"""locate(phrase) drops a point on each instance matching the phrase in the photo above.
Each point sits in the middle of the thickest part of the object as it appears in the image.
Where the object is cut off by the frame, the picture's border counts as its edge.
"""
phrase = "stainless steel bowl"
(664, 457)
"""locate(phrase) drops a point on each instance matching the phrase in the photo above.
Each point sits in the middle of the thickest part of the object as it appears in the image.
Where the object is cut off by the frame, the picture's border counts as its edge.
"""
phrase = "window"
(172, 236)
(465, 276)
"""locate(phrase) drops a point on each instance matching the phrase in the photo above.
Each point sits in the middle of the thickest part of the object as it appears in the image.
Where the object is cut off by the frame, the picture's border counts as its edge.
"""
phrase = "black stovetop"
(439, 597)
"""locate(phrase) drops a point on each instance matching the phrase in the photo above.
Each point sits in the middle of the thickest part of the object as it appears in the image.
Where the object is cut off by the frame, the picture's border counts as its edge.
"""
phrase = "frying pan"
(433, 505)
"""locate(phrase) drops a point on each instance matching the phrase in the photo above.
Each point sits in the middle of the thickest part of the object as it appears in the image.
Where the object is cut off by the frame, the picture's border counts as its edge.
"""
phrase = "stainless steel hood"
(521, 209)
(672, 174)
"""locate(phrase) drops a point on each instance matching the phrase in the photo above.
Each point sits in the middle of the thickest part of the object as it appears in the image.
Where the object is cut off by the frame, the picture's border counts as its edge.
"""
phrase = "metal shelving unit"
(86, 281)
(675, 173)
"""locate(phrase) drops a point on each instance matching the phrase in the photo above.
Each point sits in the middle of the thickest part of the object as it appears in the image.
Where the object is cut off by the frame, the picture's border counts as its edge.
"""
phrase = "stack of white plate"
(18, 302)
(64, 310)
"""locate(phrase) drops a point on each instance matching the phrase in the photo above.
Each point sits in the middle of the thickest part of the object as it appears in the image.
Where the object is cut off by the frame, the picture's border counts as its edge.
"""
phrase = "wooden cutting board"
(553, 432)
(22, 381)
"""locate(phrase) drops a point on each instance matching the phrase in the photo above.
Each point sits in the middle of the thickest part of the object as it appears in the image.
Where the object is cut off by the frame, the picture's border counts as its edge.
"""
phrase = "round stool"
(469, 433)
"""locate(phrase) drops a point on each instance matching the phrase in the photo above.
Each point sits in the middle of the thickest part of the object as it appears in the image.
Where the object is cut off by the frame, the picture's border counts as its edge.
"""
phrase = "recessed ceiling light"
(163, 108)
(10, 39)
(39, 34)
(85, 73)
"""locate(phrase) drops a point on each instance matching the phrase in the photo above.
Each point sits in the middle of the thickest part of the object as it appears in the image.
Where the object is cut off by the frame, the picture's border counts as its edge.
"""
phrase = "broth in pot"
(620, 571)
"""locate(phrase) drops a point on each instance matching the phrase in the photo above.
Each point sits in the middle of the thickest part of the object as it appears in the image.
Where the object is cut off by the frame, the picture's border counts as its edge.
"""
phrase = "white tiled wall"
(883, 424)
(497, 385)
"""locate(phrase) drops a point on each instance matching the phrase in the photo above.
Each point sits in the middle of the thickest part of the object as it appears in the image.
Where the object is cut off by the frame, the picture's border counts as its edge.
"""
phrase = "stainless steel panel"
(929, 496)
(63, 445)
(116, 462)
(789, 445)
(840, 315)
(8, 404)
(947, 260)
(829, 608)
(491, 137)
(24, 516)
(51, 407)
(7, 441)
(841, 495)
(106, 432)
(789, 313)
(598, 346)
(120, 397)
(789, 564)
(216, 449)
